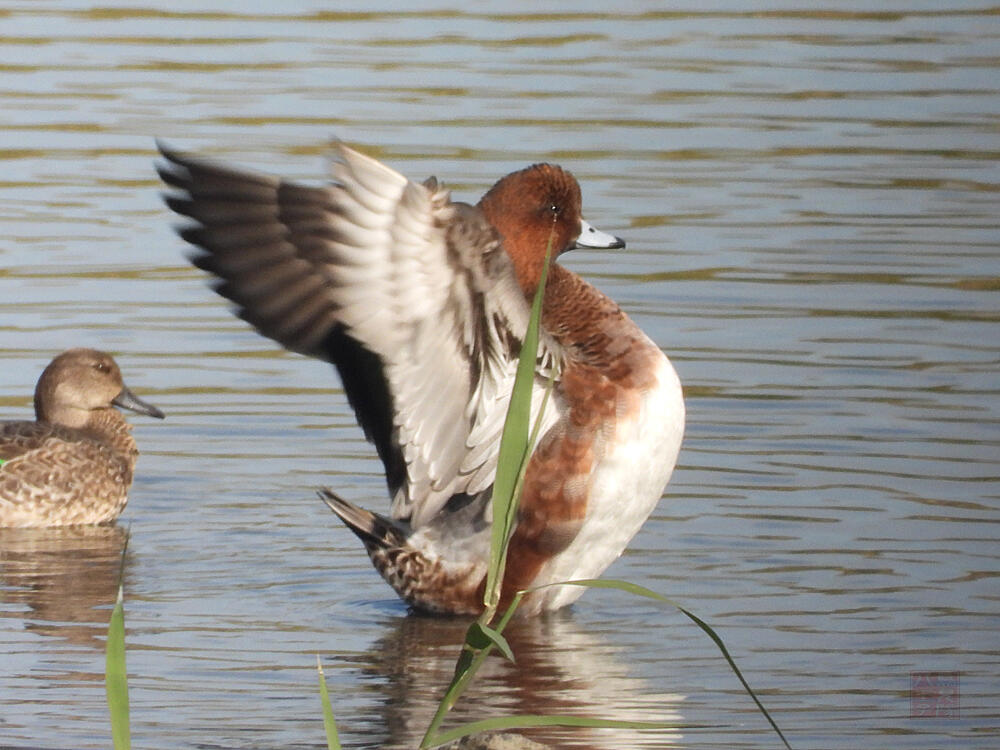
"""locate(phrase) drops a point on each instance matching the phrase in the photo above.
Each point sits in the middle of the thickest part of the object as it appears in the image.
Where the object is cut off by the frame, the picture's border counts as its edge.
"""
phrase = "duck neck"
(588, 326)
(109, 426)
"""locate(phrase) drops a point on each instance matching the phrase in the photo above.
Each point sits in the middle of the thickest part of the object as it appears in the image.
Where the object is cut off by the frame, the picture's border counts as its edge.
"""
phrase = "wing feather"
(409, 295)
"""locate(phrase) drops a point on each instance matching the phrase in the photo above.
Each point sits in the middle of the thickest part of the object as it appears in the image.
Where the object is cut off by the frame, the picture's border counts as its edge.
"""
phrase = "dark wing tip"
(375, 531)
(178, 204)
(171, 154)
(176, 172)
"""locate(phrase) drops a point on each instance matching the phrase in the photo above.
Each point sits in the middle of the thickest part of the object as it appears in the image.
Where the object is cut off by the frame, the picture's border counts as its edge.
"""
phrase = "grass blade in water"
(329, 723)
(116, 677)
(514, 447)
(632, 588)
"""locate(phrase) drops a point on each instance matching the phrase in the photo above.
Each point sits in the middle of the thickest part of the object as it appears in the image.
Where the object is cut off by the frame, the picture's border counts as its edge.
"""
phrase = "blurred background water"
(810, 196)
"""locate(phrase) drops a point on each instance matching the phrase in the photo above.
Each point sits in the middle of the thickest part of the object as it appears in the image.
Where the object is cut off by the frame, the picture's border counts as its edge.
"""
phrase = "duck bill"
(590, 236)
(128, 400)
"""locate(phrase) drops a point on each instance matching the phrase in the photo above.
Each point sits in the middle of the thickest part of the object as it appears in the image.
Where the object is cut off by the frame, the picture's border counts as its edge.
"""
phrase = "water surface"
(809, 195)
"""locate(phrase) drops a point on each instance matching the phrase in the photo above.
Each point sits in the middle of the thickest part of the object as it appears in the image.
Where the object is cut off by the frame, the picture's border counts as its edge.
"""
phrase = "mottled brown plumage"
(74, 464)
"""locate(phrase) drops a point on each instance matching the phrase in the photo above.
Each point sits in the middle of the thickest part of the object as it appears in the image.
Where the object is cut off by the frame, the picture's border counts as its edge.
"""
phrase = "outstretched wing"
(409, 295)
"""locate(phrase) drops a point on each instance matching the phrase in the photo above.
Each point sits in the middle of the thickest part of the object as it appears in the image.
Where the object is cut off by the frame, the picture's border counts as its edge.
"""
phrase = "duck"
(74, 464)
(421, 303)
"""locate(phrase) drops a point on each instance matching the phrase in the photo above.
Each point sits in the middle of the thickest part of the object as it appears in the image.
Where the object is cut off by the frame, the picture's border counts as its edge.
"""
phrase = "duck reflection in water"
(65, 579)
(561, 668)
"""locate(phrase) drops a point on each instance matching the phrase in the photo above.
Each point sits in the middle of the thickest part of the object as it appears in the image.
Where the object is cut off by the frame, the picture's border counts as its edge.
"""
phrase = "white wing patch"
(445, 315)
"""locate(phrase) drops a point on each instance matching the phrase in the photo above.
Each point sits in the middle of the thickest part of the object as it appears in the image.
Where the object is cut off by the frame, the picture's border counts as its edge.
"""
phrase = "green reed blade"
(613, 583)
(484, 636)
(116, 677)
(329, 723)
(469, 661)
(514, 450)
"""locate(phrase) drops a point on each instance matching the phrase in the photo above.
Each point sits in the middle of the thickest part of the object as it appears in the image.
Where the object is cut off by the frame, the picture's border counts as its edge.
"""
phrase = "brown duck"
(74, 464)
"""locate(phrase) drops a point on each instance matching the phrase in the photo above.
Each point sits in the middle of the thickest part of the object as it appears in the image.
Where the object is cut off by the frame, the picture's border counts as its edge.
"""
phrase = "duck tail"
(418, 580)
(375, 532)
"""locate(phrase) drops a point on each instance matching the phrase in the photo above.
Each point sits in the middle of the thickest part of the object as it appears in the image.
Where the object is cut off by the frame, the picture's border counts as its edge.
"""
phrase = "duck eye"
(102, 367)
